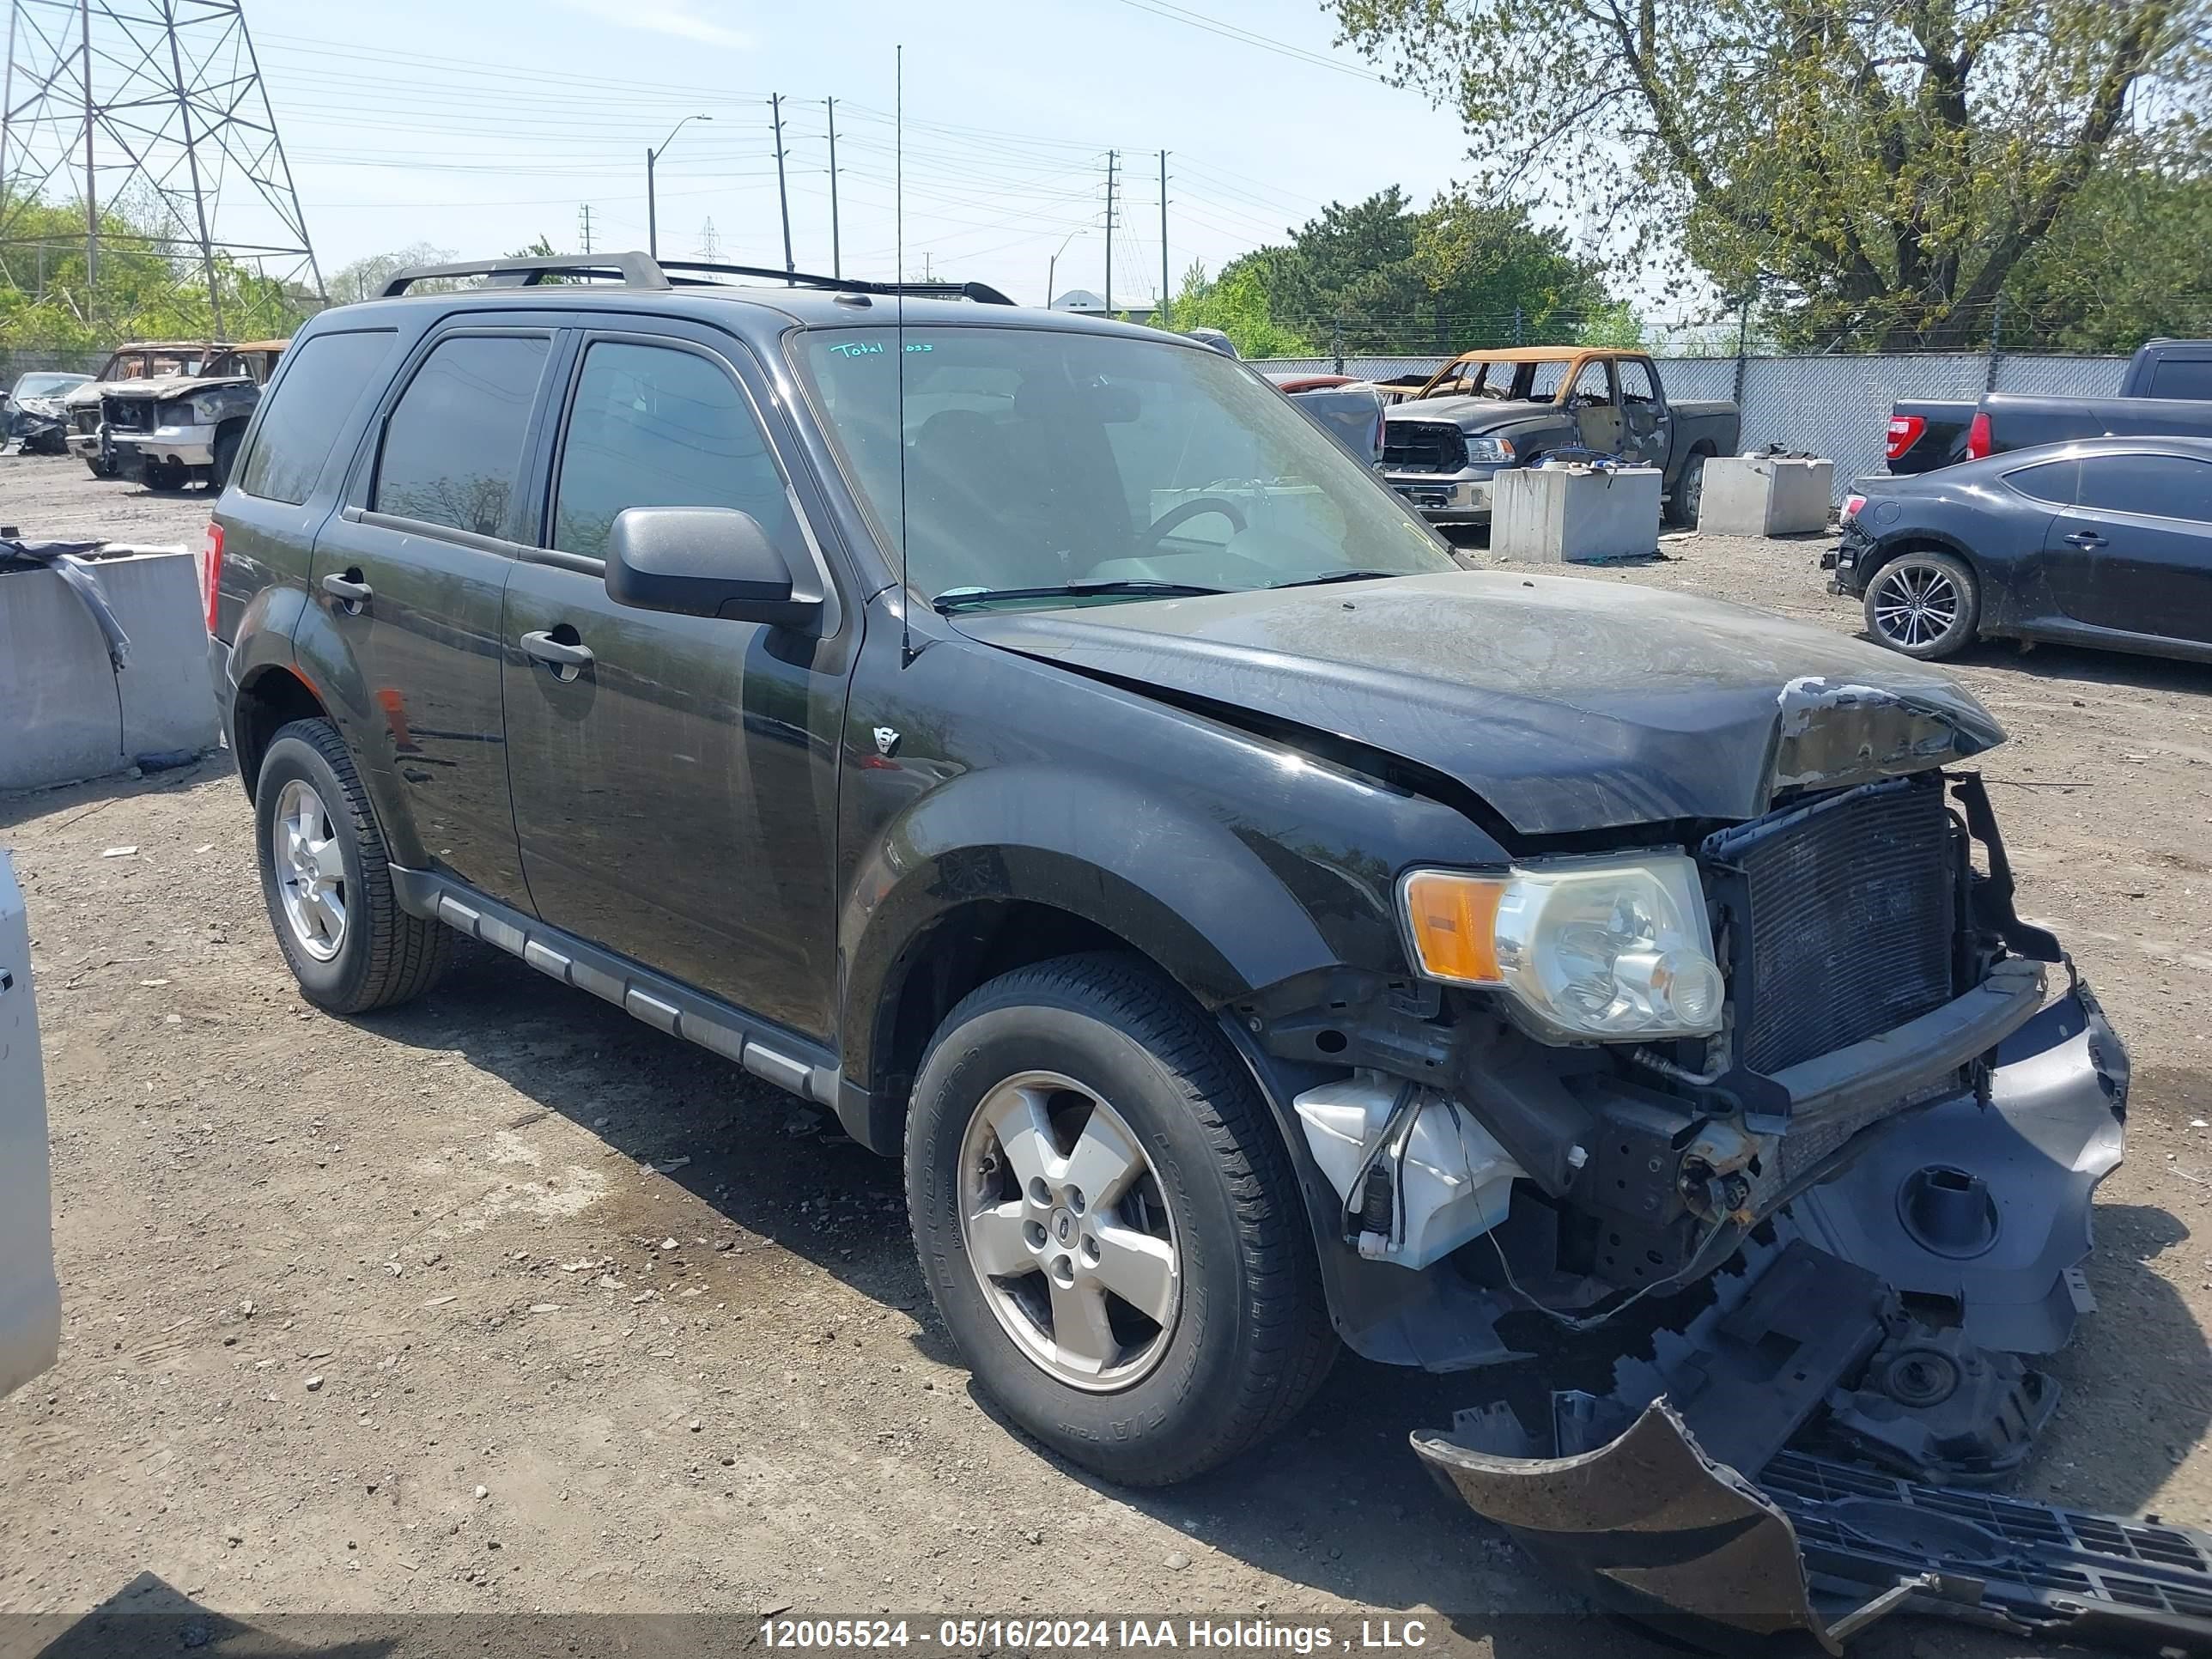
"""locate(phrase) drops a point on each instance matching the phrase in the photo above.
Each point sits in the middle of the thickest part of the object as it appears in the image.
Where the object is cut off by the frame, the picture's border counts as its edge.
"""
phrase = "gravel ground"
(505, 1304)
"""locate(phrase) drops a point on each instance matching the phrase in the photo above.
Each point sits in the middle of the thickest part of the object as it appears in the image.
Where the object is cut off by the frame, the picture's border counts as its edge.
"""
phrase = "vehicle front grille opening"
(1423, 446)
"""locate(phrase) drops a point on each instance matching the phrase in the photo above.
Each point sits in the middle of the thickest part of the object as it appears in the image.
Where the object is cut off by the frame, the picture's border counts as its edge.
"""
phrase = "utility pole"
(1162, 319)
(782, 196)
(1112, 158)
(836, 255)
(586, 228)
(91, 202)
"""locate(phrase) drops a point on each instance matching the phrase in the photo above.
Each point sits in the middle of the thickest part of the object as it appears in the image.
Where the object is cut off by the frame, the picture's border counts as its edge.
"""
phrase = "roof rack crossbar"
(632, 270)
(635, 270)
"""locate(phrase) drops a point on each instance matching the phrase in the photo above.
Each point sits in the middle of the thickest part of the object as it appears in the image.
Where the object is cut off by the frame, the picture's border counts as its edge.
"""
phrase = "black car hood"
(1567, 704)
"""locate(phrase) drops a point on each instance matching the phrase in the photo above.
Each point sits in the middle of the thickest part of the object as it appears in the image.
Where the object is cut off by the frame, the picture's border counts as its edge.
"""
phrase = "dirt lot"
(504, 1303)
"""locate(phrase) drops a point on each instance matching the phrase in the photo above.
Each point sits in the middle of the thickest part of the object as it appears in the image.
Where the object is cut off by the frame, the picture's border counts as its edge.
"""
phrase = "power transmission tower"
(1112, 159)
(782, 195)
(586, 227)
(152, 116)
(710, 245)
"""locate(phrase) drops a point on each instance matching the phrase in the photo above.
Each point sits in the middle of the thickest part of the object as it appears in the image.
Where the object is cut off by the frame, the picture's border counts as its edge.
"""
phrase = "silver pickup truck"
(1486, 411)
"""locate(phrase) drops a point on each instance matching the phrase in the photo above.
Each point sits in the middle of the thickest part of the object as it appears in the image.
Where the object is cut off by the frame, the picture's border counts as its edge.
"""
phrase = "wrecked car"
(31, 415)
(1486, 411)
(1033, 741)
(173, 431)
(141, 361)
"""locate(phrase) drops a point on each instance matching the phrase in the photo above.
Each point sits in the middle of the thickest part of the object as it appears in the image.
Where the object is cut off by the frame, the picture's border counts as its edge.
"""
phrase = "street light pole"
(1051, 264)
(651, 213)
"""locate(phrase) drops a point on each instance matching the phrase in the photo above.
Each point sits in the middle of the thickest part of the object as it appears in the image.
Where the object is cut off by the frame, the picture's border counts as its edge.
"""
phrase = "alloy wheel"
(1916, 604)
(310, 879)
(1068, 1232)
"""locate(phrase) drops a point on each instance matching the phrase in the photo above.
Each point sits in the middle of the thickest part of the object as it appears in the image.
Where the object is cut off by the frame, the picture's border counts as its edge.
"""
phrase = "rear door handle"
(2086, 538)
(350, 588)
(556, 653)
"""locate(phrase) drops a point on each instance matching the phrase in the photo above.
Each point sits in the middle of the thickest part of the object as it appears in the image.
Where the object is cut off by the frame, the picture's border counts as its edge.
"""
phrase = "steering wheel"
(1175, 517)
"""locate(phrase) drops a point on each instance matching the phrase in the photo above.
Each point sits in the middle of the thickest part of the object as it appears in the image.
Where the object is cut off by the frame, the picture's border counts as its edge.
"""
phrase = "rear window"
(453, 442)
(319, 389)
(2182, 376)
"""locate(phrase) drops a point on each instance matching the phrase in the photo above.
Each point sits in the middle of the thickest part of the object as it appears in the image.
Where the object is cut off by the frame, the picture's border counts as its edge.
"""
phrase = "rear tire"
(1207, 1203)
(1923, 604)
(328, 884)
(167, 474)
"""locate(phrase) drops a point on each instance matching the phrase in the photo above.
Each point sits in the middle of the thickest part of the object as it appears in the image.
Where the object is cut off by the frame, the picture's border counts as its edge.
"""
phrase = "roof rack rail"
(635, 270)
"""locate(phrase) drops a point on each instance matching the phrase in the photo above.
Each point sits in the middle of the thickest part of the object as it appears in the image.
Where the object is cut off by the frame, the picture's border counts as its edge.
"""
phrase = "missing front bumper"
(1691, 1496)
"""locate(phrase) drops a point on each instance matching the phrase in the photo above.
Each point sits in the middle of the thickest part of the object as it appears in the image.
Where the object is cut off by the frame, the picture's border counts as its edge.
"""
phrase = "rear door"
(676, 792)
(2136, 546)
(30, 1300)
(411, 573)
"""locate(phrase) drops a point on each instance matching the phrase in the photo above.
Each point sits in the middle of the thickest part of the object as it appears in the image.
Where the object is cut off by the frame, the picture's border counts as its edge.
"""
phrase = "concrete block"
(1766, 496)
(70, 714)
(1555, 515)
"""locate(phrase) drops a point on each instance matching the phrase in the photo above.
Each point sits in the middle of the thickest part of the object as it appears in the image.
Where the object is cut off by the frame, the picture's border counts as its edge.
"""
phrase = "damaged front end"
(1877, 1164)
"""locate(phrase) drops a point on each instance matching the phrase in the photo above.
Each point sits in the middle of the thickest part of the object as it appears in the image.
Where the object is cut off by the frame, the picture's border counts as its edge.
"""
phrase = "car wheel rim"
(1068, 1232)
(310, 871)
(1916, 604)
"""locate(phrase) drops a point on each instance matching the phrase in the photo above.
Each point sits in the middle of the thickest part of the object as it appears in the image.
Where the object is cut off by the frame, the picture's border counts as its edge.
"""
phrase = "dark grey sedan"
(2103, 541)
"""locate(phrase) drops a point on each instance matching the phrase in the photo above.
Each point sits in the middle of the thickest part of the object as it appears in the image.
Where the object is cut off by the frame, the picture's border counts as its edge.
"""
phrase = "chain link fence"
(1835, 407)
(17, 360)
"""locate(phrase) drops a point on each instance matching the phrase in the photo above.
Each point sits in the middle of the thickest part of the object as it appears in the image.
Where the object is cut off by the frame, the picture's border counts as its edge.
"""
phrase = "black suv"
(1030, 737)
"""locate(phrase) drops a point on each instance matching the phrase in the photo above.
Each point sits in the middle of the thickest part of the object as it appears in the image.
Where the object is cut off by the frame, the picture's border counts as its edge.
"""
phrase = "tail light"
(1978, 436)
(1905, 431)
(211, 571)
(1851, 506)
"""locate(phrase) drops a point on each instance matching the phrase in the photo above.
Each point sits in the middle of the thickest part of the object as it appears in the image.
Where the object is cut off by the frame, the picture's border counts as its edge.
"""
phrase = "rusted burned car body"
(173, 431)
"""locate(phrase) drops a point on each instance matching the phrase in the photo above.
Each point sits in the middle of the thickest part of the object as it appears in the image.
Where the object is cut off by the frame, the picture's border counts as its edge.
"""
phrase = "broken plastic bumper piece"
(1803, 1455)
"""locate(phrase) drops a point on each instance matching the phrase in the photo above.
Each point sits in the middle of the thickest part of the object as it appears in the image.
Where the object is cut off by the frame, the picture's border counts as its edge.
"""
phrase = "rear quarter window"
(2182, 376)
(325, 378)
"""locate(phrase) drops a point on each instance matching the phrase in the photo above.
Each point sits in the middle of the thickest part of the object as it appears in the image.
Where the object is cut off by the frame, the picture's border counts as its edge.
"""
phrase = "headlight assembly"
(1488, 451)
(1617, 950)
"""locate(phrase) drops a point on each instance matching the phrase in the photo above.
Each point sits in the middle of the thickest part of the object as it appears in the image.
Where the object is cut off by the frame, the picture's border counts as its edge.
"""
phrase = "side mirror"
(708, 562)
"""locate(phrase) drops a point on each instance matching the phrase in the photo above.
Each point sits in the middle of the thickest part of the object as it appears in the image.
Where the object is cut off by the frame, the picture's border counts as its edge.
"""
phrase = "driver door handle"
(554, 653)
(349, 588)
(2086, 538)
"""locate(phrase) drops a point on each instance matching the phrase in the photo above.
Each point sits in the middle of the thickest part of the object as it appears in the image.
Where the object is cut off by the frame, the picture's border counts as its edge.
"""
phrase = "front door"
(1645, 425)
(675, 793)
(1596, 411)
(2135, 550)
(412, 572)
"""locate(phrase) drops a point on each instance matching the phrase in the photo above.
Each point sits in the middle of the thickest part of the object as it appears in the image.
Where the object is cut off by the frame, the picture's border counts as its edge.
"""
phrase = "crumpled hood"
(1471, 414)
(1567, 704)
(166, 387)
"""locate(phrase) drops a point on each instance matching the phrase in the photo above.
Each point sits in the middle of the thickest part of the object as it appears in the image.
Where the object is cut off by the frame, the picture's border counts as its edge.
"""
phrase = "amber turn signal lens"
(1454, 919)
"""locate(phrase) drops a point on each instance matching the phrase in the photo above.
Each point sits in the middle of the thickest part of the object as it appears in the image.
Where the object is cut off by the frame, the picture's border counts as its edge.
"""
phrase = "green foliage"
(2123, 264)
(364, 279)
(46, 301)
(1878, 175)
(1238, 305)
(1382, 278)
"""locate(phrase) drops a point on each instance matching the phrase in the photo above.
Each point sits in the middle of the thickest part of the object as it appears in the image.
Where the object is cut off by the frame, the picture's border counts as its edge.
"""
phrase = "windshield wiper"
(1328, 576)
(953, 598)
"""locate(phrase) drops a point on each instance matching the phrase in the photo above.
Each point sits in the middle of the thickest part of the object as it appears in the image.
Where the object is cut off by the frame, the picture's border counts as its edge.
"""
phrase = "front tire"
(1689, 494)
(328, 884)
(227, 442)
(1925, 604)
(167, 476)
(1110, 1224)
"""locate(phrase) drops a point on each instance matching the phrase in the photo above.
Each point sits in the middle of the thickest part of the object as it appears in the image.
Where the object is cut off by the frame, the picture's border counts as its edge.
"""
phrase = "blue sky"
(479, 124)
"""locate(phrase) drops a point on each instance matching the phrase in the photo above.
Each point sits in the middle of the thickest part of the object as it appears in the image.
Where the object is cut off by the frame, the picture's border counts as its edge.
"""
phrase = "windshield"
(1035, 459)
(47, 385)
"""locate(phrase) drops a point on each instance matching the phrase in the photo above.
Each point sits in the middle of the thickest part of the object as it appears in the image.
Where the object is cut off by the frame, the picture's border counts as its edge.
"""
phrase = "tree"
(1879, 170)
(2124, 263)
(1237, 305)
(1379, 277)
(364, 279)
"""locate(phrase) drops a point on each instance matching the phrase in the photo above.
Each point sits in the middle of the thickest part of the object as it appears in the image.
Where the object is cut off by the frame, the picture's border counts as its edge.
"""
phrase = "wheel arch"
(271, 696)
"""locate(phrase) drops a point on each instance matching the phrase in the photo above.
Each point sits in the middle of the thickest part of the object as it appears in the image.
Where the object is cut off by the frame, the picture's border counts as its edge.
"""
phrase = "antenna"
(898, 237)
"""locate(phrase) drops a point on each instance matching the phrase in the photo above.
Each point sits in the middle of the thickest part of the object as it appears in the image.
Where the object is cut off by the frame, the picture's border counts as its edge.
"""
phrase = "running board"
(771, 1054)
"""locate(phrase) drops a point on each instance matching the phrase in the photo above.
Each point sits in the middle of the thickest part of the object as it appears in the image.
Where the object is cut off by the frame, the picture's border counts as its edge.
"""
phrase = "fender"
(1178, 887)
(326, 663)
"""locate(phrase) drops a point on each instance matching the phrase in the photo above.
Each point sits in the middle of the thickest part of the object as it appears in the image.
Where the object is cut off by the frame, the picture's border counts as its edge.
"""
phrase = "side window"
(453, 442)
(1591, 385)
(1636, 386)
(652, 426)
(2182, 376)
(320, 388)
(1544, 380)
(2048, 481)
(2170, 486)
